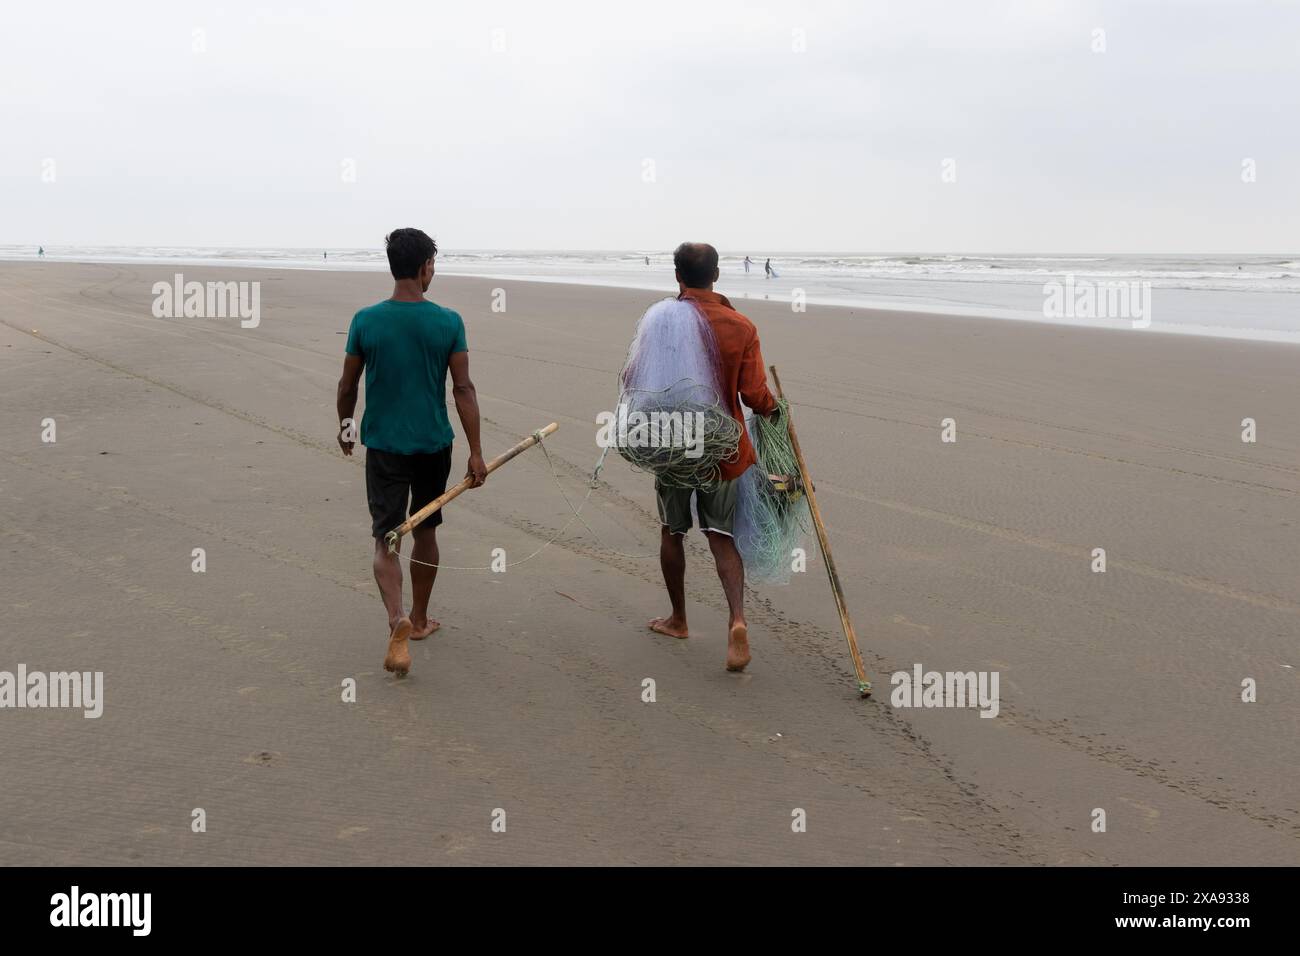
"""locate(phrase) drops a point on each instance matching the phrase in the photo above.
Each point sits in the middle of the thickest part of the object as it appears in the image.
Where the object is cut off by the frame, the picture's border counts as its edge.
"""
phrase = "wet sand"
(223, 690)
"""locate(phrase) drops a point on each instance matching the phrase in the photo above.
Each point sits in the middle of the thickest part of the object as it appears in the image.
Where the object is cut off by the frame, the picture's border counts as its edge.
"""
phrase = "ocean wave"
(852, 272)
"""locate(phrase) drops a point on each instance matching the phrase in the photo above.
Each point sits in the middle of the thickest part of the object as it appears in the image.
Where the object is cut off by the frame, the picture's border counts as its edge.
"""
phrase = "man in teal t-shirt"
(406, 345)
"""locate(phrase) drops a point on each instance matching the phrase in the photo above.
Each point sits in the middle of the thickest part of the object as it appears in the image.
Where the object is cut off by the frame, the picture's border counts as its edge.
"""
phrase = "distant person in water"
(40, 252)
(324, 255)
(406, 345)
(767, 268)
(748, 263)
(647, 260)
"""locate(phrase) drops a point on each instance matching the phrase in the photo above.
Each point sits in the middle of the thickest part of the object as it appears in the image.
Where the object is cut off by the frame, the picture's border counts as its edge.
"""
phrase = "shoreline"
(926, 308)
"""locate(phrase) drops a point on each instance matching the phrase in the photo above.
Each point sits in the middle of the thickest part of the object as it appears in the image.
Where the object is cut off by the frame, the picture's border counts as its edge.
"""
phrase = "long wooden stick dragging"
(864, 685)
(464, 485)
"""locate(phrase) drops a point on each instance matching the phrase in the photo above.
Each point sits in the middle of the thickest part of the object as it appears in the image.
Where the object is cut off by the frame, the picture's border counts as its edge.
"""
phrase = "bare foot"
(737, 647)
(420, 631)
(399, 655)
(672, 626)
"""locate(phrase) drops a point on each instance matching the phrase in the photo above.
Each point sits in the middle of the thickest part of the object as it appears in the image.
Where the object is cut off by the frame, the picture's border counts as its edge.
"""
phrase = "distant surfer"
(40, 252)
(324, 255)
(744, 376)
(767, 269)
(748, 263)
(406, 345)
(647, 260)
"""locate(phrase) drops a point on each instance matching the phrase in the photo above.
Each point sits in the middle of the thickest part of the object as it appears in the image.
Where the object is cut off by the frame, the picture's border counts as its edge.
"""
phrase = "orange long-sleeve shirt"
(744, 376)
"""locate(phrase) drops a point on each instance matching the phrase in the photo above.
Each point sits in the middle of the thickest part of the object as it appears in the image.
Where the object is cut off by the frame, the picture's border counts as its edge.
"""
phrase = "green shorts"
(715, 506)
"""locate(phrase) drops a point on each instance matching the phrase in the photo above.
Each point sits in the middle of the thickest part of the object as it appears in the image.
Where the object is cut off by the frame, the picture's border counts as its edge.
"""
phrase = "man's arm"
(346, 400)
(467, 408)
(753, 380)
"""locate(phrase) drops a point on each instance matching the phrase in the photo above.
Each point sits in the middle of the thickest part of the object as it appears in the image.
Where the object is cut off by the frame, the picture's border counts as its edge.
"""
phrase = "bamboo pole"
(864, 685)
(464, 485)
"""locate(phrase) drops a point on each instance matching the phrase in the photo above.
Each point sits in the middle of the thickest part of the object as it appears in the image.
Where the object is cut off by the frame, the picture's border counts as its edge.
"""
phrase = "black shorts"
(392, 479)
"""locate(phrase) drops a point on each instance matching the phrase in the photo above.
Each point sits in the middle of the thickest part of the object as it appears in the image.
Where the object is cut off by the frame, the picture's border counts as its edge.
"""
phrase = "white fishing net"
(672, 420)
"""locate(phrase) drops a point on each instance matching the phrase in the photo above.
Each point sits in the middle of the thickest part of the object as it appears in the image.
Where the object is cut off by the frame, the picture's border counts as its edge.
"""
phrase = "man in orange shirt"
(743, 377)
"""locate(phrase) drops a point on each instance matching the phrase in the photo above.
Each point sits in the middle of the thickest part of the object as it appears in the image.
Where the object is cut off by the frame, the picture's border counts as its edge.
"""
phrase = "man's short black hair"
(696, 264)
(408, 251)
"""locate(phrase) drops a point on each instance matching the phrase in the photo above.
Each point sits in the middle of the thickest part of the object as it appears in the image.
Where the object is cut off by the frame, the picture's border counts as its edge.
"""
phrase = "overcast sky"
(529, 125)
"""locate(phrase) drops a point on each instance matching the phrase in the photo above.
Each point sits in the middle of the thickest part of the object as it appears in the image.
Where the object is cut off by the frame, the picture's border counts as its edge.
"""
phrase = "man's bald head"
(696, 264)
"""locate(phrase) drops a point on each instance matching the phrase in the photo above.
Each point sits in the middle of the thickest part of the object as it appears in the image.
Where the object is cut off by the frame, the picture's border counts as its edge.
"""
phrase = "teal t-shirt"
(406, 347)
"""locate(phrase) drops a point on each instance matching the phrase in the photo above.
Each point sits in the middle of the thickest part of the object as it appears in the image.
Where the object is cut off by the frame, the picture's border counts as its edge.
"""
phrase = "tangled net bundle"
(671, 377)
(672, 421)
(770, 523)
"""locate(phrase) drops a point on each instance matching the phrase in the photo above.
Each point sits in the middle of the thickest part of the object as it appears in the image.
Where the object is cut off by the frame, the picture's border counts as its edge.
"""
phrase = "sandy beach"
(223, 690)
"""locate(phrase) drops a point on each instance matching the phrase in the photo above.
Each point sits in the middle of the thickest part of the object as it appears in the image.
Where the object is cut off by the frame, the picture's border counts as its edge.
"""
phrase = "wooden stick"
(864, 685)
(464, 485)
